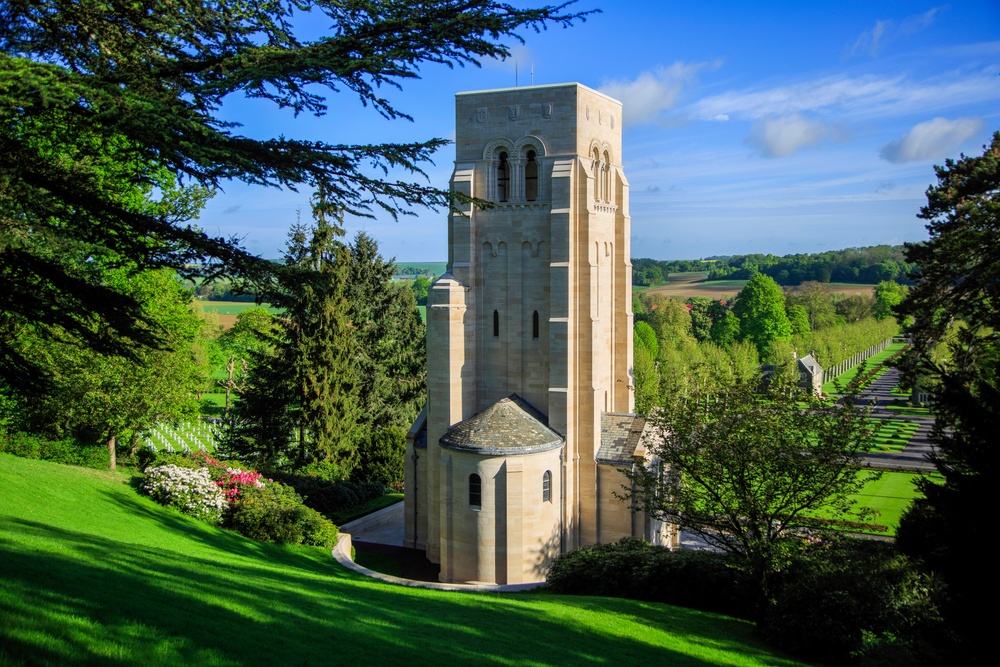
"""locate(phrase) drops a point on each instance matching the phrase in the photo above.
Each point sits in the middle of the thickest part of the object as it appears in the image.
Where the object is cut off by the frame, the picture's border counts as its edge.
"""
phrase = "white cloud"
(932, 139)
(871, 41)
(645, 98)
(778, 137)
(863, 97)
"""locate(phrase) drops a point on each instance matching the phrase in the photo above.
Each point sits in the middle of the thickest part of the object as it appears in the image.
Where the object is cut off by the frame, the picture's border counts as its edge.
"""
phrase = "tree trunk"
(112, 463)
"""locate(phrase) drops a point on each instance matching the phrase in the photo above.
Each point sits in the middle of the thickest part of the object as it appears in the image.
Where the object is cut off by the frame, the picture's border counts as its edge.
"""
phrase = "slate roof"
(621, 435)
(810, 364)
(509, 426)
(420, 441)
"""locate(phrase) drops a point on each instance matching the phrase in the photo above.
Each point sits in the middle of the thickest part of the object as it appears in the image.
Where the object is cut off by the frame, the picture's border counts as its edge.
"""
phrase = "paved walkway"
(914, 456)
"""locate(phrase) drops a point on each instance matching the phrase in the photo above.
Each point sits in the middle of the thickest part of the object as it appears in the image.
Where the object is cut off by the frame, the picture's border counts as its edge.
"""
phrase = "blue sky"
(776, 127)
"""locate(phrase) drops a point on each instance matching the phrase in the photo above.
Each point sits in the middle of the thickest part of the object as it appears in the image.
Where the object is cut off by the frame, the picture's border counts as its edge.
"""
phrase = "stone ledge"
(342, 554)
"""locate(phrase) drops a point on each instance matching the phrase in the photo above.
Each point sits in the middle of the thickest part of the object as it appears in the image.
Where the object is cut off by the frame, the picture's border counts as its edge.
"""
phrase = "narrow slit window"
(534, 324)
(475, 491)
(503, 178)
(496, 324)
(531, 177)
(547, 487)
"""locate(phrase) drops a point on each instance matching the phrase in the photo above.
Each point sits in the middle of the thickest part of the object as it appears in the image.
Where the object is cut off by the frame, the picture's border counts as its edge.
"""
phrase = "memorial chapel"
(516, 457)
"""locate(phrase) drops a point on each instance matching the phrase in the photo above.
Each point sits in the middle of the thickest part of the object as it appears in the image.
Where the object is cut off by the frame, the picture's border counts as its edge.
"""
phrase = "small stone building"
(517, 456)
(810, 374)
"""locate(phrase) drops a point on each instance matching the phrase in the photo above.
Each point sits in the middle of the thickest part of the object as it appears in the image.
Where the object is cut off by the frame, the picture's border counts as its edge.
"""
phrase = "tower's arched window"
(503, 178)
(534, 324)
(547, 487)
(496, 323)
(531, 177)
(607, 177)
(475, 491)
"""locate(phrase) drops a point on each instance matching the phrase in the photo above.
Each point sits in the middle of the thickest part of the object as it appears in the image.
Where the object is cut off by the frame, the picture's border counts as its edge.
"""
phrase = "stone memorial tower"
(516, 456)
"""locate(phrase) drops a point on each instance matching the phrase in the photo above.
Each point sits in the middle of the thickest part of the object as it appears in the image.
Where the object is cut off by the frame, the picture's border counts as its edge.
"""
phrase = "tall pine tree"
(302, 404)
(392, 356)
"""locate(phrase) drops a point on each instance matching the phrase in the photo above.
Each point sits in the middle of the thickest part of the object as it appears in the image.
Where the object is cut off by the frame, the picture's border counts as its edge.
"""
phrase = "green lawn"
(92, 572)
(829, 387)
(890, 495)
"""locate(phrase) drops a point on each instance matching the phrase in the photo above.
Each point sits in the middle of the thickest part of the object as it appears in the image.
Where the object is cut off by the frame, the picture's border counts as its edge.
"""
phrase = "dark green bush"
(633, 568)
(275, 513)
(70, 452)
(380, 457)
(329, 497)
(854, 600)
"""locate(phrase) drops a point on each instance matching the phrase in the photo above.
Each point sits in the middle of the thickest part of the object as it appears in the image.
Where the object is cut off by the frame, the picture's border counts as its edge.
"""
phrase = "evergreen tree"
(98, 97)
(760, 307)
(955, 299)
(302, 404)
(391, 339)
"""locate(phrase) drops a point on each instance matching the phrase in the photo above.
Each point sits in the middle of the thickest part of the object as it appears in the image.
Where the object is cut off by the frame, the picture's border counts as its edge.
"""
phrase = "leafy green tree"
(815, 298)
(421, 286)
(100, 99)
(701, 318)
(669, 318)
(251, 335)
(760, 307)
(855, 307)
(647, 379)
(381, 456)
(743, 469)
(888, 295)
(957, 283)
(726, 329)
(799, 319)
(100, 397)
(646, 337)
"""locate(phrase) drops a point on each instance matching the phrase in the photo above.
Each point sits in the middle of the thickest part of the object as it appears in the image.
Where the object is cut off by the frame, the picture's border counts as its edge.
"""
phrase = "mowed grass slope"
(92, 572)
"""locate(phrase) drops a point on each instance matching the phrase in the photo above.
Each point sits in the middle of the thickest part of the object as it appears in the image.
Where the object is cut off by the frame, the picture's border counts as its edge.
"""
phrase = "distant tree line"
(869, 265)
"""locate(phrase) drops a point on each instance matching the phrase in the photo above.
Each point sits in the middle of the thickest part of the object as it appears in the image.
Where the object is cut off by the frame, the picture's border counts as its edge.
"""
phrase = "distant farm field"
(687, 285)
(228, 310)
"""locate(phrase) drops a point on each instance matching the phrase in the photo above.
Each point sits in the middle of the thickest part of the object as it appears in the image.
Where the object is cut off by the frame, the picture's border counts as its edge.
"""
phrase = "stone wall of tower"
(537, 298)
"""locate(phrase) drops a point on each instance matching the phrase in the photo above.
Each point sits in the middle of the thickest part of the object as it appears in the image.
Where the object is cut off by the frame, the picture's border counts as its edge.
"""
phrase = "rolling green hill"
(92, 572)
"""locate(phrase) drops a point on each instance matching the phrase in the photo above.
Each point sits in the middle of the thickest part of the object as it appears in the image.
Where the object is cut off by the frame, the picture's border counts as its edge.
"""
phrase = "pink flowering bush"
(207, 488)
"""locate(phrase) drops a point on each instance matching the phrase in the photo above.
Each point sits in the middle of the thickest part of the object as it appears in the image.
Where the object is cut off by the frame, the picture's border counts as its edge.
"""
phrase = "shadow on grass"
(68, 596)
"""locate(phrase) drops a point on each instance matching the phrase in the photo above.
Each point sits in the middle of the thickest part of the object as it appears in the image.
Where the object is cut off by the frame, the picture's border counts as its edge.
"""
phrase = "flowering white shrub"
(192, 491)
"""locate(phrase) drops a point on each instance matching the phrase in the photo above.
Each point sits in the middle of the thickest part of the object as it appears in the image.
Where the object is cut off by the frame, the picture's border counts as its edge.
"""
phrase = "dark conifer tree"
(392, 357)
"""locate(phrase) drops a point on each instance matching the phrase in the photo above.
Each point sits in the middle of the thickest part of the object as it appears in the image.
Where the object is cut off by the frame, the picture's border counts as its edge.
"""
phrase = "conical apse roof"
(506, 427)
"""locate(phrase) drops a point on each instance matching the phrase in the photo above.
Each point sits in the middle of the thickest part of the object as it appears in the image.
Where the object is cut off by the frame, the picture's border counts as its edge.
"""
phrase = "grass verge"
(92, 572)
(889, 495)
